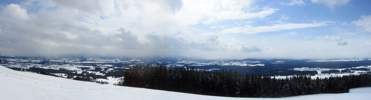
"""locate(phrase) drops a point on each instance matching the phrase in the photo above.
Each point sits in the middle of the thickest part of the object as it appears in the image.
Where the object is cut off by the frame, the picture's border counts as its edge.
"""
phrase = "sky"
(209, 29)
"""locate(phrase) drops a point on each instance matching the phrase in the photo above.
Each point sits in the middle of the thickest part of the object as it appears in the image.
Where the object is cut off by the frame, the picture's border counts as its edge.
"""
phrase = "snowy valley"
(30, 86)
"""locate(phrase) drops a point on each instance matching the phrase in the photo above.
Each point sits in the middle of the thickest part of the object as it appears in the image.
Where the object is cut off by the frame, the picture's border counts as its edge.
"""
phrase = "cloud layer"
(187, 28)
(364, 23)
(117, 27)
(331, 3)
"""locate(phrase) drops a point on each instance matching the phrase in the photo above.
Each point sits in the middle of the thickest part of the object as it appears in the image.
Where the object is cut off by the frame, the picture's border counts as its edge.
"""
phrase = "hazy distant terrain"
(100, 69)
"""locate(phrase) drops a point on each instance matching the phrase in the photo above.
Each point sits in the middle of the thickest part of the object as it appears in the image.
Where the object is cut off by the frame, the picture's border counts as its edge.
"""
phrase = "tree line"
(227, 83)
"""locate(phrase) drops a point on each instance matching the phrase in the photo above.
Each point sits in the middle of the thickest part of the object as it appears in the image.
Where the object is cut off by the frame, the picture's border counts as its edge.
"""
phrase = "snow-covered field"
(17, 85)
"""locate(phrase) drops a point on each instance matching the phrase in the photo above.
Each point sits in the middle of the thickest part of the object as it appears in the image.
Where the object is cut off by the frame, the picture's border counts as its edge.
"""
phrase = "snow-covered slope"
(16, 85)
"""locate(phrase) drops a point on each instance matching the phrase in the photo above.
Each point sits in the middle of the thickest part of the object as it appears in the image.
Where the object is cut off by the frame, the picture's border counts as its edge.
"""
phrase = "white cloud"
(335, 39)
(272, 28)
(85, 5)
(364, 23)
(211, 11)
(15, 11)
(153, 28)
(121, 27)
(331, 3)
(295, 2)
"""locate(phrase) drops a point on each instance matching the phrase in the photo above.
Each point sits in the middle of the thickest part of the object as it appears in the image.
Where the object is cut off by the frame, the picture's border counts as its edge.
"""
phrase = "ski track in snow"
(17, 85)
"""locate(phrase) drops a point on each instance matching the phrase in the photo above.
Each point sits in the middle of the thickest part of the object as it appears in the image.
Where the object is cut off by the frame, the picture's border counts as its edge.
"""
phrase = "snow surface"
(337, 60)
(320, 75)
(16, 85)
(110, 80)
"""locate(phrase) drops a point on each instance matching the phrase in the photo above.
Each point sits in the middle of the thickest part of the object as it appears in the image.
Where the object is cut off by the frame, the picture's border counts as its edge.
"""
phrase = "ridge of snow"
(337, 60)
